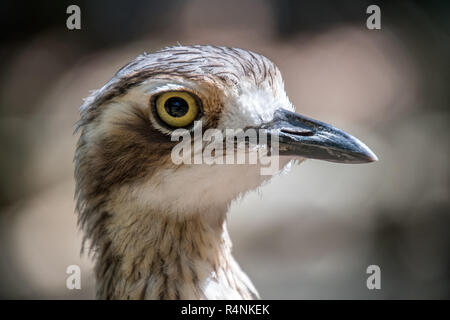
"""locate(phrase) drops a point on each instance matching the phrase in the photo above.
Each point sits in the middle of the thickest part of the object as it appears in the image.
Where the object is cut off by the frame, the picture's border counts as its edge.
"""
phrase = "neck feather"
(155, 255)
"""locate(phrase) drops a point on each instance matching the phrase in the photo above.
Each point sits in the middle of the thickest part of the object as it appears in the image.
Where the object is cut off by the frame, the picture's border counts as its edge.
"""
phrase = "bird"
(157, 229)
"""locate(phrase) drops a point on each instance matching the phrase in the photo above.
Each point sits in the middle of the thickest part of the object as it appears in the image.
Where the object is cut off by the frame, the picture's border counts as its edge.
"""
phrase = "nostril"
(297, 131)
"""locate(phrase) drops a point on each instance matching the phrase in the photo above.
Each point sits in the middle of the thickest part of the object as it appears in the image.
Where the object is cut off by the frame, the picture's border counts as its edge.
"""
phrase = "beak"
(308, 138)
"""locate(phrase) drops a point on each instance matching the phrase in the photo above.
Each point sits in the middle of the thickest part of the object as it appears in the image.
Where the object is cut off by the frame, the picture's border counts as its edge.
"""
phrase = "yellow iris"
(177, 108)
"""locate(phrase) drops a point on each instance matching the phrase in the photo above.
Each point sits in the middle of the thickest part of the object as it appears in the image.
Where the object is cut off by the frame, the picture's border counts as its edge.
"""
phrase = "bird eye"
(177, 108)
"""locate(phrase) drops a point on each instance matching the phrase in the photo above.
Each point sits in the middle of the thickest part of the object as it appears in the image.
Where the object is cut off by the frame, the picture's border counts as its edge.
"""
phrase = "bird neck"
(154, 255)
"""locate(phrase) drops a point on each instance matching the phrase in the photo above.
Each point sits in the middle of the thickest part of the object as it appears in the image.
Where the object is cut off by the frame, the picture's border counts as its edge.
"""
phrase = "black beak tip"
(370, 156)
(364, 154)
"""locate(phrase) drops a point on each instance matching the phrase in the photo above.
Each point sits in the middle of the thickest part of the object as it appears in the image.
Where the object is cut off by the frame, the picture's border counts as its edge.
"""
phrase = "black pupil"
(176, 107)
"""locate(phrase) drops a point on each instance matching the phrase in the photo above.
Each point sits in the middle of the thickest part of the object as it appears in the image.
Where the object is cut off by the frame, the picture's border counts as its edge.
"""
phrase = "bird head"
(123, 157)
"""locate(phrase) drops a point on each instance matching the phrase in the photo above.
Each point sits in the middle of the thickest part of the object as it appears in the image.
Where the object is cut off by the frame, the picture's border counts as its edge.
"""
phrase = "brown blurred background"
(308, 234)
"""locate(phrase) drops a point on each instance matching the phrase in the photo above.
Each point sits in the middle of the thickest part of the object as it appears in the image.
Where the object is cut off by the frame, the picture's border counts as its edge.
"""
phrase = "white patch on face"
(253, 105)
(193, 188)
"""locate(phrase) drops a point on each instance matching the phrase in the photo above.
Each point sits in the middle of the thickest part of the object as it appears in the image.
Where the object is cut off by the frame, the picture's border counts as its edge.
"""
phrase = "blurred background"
(309, 234)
